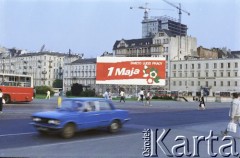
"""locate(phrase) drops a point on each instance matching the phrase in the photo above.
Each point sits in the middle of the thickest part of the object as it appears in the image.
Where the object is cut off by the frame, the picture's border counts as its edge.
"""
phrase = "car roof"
(86, 99)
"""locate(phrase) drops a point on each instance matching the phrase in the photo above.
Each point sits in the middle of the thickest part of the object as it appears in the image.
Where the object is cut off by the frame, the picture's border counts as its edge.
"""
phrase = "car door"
(105, 113)
(90, 116)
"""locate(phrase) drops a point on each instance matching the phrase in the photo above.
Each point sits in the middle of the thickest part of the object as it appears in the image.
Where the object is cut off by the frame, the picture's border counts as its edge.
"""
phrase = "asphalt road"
(19, 138)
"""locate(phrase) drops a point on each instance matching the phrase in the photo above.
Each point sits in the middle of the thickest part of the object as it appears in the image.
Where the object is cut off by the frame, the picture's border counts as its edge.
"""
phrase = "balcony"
(44, 72)
(25, 62)
(24, 73)
(43, 78)
(50, 66)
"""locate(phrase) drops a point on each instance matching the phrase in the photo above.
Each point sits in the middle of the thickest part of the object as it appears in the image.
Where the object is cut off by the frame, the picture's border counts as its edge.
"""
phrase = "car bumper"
(47, 128)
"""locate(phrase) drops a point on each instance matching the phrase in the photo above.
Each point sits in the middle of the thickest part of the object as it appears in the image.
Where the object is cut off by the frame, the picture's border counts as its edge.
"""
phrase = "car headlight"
(55, 122)
(36, 119)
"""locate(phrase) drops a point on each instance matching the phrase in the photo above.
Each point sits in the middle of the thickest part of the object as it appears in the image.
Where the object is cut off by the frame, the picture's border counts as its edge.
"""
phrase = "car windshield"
(71, 105)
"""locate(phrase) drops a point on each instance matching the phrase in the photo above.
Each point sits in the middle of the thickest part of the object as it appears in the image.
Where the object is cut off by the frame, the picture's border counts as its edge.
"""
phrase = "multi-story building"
(45, 67)
(81, 71)
(151, 27)
(163, 44)
(215, 74)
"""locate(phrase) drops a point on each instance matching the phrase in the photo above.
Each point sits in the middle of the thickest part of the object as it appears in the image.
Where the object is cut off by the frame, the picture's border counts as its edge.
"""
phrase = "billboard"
(131, 70)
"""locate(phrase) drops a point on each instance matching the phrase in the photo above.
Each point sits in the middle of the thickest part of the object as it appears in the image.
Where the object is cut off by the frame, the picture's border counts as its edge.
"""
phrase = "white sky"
(92, 26)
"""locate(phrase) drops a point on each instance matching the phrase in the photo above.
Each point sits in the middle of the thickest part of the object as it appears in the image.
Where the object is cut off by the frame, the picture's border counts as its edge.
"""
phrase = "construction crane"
(146, 10)
(180, 10)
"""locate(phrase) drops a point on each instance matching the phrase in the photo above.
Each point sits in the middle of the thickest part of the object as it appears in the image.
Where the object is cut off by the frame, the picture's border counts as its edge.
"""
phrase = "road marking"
(17, 134)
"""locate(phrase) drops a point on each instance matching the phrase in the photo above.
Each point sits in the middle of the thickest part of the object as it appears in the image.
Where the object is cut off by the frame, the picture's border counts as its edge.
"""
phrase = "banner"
(131, 70)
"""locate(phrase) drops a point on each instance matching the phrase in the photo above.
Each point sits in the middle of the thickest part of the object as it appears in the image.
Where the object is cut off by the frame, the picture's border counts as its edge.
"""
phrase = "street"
(18, 138)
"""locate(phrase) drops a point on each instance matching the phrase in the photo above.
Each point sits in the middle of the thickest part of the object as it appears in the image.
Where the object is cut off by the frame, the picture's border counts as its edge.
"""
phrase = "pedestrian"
(122, 96)
(34, 92)
(148, 98)
(202, 105)
(106, 95)
(141, 93)
(48, 94)
(234, 112)
(1, 101)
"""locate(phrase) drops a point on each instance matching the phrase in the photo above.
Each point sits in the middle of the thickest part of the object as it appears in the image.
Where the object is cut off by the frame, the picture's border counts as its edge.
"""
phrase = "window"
(228, 83)
(206, 74)
(180, 66)
(199, 66)
(192, 66)
(229, 65)
(221, 65)
(221, 74)
(104, 106)
(236, 65)
(221, 83)
(228, 74)
(215, 65)
(174, 83)
(236, 74)
(215, 83)
(207, 65)
(180, 74)
(174, 74)
(215, 74)
(199, 74)
(180, 83)
(198, 83)
(192, 83)
(174, 66)
(192, 74)
(236, 83)
(186, 66)
(206, 83)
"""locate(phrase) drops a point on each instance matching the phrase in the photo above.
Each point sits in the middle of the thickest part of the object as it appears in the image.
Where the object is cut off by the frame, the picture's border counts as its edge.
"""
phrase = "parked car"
(78, 114)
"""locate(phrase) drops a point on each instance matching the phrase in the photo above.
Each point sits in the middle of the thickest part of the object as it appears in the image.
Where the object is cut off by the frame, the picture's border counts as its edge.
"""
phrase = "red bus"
(16, 88)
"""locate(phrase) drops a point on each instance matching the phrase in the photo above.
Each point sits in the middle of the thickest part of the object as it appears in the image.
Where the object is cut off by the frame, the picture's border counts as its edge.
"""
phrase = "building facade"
(45, 67)
(215, 74)
(81, 71)
(163, 44)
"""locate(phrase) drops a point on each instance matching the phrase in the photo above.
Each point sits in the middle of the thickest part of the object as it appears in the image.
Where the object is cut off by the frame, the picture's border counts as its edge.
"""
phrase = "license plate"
(42, 128)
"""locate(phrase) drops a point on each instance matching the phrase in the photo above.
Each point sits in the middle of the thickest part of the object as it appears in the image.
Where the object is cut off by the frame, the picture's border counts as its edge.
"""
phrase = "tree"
(58, 83)
(76, 89)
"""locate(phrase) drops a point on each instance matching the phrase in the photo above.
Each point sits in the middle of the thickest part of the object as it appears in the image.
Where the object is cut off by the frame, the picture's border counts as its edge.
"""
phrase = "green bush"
(88, 93)
(43, 90)
(68, 93)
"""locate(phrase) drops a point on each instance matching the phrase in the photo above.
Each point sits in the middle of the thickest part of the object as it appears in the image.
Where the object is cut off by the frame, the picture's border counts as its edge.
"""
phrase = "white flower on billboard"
(151, 74)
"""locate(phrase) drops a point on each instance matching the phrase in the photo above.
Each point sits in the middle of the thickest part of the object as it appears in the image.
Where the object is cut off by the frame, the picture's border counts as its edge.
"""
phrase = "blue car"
(78, 114)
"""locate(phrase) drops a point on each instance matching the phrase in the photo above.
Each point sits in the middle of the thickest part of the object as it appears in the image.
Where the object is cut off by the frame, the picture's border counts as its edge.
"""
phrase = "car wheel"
(114, 126)
(68, 131)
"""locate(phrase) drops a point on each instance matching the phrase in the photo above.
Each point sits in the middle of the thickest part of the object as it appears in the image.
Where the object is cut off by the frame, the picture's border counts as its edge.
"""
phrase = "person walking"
(106, 94)
(48, 94)
(122, 96)
(234, 112)
(201, 103)
(148, 98)
(141, 93)
(1, 101)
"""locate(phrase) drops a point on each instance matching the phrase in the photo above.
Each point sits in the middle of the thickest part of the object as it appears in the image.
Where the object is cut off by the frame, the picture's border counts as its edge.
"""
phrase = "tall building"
(152, 26)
